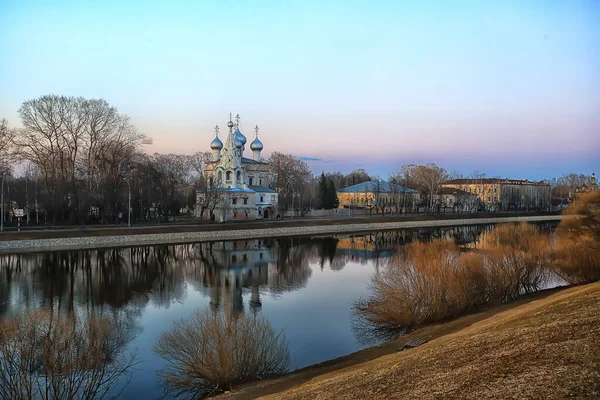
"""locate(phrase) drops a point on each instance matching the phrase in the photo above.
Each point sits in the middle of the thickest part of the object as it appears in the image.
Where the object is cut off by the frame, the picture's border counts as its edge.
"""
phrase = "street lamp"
(2, 220)
(128, 203)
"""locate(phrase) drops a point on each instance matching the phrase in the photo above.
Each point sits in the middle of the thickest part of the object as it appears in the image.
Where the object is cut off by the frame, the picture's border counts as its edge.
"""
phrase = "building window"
(262, 199)
(228, 176)
(260, 182)
(250, 182)
(233, 258)
(210, 181)
(260, 256)
(245, 200)
(234, 201)
(245, 257)
(239, 176)
(220, 175)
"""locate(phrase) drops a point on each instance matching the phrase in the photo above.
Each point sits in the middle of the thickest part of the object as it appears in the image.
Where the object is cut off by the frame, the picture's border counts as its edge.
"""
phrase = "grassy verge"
(547, 348)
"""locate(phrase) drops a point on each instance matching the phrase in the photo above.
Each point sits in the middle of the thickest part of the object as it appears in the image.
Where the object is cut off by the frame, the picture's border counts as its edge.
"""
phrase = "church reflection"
(235, 275)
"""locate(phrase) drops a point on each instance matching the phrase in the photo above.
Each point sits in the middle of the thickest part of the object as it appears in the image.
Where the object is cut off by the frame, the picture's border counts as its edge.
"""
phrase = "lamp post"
(128, 203)
(2, 219)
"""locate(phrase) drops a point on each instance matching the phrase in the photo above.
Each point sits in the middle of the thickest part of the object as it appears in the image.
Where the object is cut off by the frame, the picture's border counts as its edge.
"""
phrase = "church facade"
(239, 185)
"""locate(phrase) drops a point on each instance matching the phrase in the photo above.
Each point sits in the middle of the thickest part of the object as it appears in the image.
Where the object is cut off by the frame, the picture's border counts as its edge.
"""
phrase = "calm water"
(303, 286)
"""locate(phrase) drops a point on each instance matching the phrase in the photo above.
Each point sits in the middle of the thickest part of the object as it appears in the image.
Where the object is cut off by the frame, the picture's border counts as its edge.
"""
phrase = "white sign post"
(18, 213)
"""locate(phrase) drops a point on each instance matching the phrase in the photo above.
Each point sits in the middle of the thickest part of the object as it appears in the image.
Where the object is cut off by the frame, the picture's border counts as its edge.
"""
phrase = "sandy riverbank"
(30, 242)
(545, 345)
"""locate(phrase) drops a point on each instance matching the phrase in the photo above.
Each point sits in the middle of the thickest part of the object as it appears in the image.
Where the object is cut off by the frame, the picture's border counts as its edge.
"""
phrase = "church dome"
(237, 142)
(256, 144)
(216, 144)
(230, 124)
(240, 136)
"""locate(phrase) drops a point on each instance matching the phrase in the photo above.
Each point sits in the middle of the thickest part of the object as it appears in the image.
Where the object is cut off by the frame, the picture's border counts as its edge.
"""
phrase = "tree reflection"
(227, 272)
(44, 355)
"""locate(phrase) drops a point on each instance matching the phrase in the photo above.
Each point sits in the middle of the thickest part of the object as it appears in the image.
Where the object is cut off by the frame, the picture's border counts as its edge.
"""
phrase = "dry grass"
(49, 356)
(578, 241)
(546, 349)
(212, 351)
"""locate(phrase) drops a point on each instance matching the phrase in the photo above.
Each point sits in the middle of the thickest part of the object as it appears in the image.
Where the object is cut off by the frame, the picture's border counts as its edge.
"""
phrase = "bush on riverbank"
(435, 281)
(578, 241)
(212, 351)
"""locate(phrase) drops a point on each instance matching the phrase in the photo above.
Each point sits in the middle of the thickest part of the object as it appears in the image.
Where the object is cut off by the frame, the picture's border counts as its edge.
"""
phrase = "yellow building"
(505, 194)
(379, 196)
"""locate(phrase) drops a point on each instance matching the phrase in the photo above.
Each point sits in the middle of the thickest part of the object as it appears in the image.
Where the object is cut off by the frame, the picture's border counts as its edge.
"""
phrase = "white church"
(239, 183)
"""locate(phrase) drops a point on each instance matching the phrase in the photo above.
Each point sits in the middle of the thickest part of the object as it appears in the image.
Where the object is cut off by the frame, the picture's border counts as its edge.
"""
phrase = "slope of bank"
(60, 240)
(547, 348)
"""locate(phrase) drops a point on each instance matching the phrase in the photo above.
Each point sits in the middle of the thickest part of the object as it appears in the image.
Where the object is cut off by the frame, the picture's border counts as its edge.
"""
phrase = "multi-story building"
(238, 184)
(505, 194)
(379, 196)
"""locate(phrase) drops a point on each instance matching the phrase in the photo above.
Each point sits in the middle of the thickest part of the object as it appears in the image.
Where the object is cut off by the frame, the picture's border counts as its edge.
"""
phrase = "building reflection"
(235, 275)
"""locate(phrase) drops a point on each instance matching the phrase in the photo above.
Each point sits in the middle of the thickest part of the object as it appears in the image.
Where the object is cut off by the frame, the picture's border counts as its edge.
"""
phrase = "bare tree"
(404, 177)
(429, 177)
(289, 176)
(6, 142)
(78, 146)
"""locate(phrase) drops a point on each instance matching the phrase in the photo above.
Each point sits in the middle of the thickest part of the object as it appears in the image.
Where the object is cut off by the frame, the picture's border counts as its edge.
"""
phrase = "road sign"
(18, 212)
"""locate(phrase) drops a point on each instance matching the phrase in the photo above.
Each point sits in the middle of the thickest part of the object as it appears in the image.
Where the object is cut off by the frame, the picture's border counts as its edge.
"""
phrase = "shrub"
(434, 281)
(427, 284)
(49, 356)
(517, 259)
(578, 241)
(212, 352)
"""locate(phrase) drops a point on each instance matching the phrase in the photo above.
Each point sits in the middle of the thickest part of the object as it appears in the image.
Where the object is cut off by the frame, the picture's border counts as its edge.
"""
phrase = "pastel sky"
(510, 88)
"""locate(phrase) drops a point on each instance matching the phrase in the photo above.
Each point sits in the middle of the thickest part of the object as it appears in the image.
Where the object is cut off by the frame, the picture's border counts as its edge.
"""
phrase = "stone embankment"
(74, 243)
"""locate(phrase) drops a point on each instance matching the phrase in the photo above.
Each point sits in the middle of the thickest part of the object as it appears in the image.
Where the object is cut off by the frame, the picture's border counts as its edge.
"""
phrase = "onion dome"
(216, 144)
(256, 144)
(238, 143)
(240, 136)
(230, 124)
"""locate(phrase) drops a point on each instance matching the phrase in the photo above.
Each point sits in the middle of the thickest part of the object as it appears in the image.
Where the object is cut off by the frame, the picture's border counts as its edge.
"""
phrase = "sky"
(509, 88)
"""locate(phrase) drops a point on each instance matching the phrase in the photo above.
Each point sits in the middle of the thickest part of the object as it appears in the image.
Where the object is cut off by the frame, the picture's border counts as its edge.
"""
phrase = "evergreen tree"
(332, 199)
(323, 191)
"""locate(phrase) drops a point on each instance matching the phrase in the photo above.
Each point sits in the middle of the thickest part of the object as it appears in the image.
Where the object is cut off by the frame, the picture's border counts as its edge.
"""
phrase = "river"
(305, 287)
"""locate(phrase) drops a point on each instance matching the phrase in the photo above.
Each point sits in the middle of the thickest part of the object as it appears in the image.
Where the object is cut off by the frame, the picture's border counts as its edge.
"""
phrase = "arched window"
(220, 177)
(239, 176)
(210, 181)
(228, 176)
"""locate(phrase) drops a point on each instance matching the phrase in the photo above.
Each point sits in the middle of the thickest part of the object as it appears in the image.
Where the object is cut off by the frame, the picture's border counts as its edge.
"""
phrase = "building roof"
(489, 181)
(377, 186)
(251, 161)
(237, 190)
(261, 189)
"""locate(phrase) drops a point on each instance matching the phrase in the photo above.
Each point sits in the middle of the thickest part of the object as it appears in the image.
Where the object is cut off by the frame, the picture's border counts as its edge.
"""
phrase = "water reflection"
(224, 270)
(305, 286)
(47, 355)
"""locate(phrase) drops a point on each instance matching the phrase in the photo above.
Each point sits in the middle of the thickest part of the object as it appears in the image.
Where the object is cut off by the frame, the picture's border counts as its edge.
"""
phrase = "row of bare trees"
(82, 158)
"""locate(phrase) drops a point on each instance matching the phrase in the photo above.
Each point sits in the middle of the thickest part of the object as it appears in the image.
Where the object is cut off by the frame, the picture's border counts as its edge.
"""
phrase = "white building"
(240, 183)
